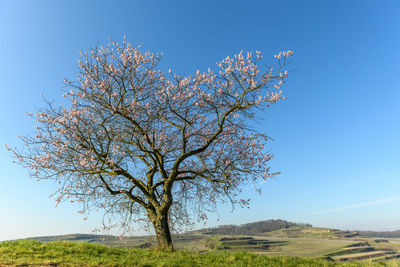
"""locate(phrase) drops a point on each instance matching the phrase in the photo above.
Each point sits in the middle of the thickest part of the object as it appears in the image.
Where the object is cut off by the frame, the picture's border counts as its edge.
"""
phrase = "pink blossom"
(167, 139)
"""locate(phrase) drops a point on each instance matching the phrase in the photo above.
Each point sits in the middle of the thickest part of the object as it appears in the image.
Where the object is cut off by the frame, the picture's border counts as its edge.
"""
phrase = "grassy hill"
(253, 228)
(311, 232)
(272, 238)
(61, 253)
(288, 228)
(76, 237)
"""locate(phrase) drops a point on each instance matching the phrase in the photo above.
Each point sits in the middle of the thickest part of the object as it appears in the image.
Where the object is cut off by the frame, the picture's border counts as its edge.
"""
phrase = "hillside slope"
(253, 228)
(56, 253)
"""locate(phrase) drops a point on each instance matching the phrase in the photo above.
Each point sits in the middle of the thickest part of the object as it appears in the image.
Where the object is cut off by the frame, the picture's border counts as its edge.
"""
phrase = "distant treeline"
(75, 237)
(252, 228)
(385, 234)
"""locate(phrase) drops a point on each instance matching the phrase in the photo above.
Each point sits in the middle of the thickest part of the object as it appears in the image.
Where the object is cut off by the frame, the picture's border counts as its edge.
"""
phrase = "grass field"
(293, 246)
(63, 253)
(313, 242)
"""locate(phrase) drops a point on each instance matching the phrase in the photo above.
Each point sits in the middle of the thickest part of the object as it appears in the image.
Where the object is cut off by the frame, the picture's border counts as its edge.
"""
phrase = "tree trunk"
(161, 228)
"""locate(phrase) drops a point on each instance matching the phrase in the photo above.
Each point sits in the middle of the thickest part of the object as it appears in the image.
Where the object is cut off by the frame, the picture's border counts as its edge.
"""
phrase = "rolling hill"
(269, 237)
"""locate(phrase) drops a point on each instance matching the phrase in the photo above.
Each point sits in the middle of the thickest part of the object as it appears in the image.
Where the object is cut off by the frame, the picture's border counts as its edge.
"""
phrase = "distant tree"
(254, 228)
(143, 144)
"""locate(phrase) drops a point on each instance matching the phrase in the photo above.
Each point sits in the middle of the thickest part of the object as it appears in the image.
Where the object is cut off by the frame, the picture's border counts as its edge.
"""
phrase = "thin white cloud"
(364, 204)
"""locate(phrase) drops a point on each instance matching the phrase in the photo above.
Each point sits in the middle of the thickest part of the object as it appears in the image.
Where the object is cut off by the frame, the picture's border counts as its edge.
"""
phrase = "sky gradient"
(336, 137)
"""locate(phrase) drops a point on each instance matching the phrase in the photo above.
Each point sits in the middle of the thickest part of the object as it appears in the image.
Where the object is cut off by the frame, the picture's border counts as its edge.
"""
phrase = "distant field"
(295, 241)
(63, 253)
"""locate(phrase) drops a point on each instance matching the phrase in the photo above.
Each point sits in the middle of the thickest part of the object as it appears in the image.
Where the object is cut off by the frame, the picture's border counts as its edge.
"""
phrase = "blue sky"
(336, 137)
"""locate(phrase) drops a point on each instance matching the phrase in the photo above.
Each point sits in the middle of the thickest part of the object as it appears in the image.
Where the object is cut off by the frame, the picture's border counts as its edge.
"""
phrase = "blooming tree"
(143, 144)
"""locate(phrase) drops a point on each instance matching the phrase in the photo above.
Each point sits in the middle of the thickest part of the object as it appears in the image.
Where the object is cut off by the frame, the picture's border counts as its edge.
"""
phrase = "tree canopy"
(141, 143)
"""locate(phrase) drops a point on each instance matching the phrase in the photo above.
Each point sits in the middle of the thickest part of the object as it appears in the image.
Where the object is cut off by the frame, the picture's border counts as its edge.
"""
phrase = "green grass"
(59, 253)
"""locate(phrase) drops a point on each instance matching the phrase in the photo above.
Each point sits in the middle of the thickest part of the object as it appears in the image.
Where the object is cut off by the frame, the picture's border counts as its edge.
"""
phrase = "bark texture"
(162, 231)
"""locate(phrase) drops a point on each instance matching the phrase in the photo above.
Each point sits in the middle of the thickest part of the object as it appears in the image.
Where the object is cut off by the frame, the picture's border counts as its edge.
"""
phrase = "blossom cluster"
(135, 137)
